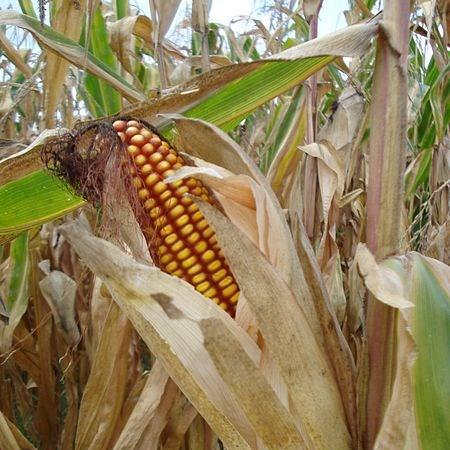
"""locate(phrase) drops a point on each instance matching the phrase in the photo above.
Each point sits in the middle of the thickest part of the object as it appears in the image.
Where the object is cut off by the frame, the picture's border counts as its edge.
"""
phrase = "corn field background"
(327, 159)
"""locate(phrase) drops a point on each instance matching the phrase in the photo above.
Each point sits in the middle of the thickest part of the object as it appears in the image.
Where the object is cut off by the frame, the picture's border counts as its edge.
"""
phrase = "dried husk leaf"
(267, 229)
(166, 313)
(251, 390)
(284, 326)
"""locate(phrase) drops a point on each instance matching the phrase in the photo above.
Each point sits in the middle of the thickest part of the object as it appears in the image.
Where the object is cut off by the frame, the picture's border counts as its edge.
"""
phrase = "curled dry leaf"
(384, 282)
(121, 33)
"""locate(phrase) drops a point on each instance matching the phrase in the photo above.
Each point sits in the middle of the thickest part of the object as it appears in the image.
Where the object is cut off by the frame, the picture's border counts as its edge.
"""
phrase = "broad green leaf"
(431, 373)
(240, 97)
(34, 199)
(72, 51)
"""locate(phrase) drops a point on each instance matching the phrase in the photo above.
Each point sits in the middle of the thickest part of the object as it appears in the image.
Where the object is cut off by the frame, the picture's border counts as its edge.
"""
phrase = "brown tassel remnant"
(180, 239)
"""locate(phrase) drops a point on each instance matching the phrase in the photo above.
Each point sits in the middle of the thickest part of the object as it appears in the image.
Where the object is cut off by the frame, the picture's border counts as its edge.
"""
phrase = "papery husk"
(166, 312)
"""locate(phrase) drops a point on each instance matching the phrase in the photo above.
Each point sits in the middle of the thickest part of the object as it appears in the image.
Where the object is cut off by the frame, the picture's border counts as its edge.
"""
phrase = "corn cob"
(185, 245)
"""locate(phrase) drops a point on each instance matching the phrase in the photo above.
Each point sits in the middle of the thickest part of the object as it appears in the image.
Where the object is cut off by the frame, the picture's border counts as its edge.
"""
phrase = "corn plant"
(225, 240)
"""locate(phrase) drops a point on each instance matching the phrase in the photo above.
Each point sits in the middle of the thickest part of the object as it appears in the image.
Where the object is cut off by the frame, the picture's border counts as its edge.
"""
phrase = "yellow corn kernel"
(186, 230)
(189, 262)
(159, 188)
(215, 265)
(176, 211)
(226, 281)
(178, 246)
(182, 221)
(202, 287)
(211, 292)
(194, 270)
(219, 275)
(165, 231)
(165, 259)
(150, 203)
(201, 247)
(172, 266)
(193, 238)
(199, 278)
(152, 179)
(230, 290)
(234, 298)
(208, 256)
(171, 239)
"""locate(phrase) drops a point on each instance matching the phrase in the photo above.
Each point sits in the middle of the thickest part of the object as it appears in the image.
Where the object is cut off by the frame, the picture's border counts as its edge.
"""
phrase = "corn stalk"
(385, 197)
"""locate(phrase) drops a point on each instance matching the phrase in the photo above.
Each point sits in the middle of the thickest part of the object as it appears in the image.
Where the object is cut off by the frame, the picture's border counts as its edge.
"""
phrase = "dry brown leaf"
(68, 20)
(7, 438)
(27, 160)
(60, 290)
(104, 392)
(284, 326)
(151, 436)
(181, 416)
(145, 409)
(45, 420)
(384, 283)
(395, 429)
(275, 427)
(166, 11)
(14, 56)
(166, 312)
(121, 33)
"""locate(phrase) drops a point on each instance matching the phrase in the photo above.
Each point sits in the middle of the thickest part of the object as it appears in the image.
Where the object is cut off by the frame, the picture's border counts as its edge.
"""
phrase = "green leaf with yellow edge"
(32, 200)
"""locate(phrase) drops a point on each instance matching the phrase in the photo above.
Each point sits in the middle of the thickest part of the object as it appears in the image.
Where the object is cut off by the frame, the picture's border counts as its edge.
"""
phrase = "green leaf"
(121, 7)
(432, 368)
(245, 94)
(17, 296)
(27, 8)
(106, 99)
(33, 200)
(18, 283)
